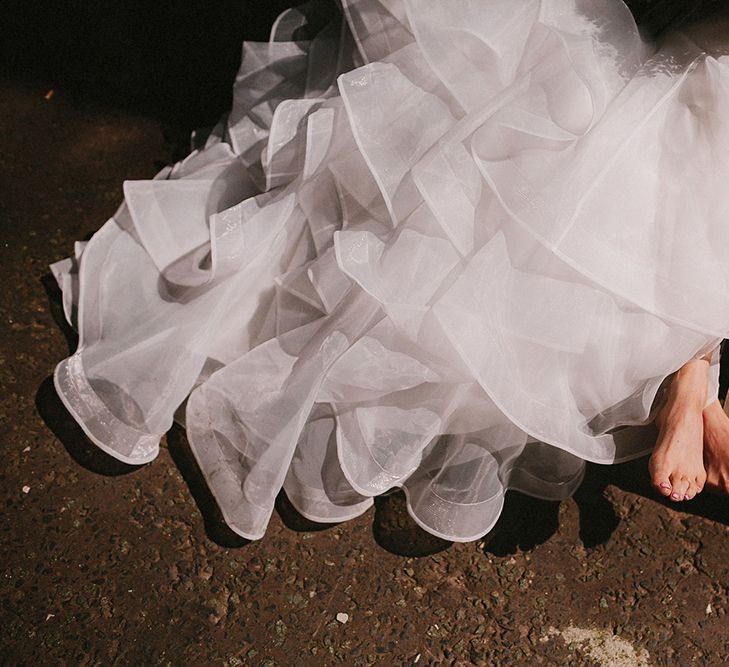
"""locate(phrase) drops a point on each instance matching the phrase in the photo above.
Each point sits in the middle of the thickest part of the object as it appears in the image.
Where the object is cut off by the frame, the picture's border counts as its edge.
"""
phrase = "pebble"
(342, 617)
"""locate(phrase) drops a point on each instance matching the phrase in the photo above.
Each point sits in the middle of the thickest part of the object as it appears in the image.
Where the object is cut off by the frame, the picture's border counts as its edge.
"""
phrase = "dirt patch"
(602, 646)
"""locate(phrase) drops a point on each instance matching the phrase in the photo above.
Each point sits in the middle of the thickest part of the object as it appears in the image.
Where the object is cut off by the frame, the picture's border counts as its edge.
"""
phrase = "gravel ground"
(108, 564)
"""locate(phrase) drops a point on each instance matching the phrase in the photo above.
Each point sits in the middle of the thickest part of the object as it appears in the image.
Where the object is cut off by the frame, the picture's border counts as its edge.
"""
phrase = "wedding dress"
(451, 246)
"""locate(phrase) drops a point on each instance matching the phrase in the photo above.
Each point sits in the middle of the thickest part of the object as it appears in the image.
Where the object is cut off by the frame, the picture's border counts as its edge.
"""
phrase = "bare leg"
(677, 463)
(716, 448)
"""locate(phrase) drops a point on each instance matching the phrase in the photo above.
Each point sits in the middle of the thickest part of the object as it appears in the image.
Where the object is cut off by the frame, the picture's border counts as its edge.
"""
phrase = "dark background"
(172, 59)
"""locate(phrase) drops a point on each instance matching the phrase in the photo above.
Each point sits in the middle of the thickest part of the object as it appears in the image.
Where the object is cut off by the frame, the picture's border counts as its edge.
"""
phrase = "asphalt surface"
(108, 564)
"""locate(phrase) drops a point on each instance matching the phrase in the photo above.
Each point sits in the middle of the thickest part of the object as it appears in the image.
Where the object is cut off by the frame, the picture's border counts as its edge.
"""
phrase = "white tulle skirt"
(450, 246)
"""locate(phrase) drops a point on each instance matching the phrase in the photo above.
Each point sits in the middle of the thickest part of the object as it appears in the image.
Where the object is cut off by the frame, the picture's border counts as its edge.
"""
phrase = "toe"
(699, 484)
(665, 488)
(680, 486)
(700, 481)
(661, 482)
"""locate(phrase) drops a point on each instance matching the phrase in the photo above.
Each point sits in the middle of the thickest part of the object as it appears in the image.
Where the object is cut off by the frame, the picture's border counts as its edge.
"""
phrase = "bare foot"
(677, 464)
(716, 448)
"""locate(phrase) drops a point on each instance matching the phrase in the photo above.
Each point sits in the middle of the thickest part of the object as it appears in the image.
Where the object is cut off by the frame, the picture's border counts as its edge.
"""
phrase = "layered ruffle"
(454, 248)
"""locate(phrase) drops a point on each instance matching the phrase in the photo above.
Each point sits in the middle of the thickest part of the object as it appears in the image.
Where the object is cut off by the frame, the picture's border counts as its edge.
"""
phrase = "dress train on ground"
(452, 247)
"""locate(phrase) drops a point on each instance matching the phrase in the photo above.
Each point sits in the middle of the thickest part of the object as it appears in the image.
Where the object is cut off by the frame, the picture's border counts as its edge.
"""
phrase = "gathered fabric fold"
(452, 247)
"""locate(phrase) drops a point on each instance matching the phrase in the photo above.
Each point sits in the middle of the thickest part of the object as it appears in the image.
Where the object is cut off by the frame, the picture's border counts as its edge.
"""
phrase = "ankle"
(715, 419)
(713, 410)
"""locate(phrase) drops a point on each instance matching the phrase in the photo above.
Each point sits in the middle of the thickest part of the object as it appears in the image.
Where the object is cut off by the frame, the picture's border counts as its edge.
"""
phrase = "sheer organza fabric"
(450, 246)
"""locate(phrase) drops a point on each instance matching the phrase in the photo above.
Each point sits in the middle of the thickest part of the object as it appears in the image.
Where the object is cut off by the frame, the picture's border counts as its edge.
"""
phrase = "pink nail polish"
(665, 485)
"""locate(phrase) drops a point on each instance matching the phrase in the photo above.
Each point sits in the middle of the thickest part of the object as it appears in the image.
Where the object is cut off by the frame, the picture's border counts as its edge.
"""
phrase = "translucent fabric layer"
(452, 247)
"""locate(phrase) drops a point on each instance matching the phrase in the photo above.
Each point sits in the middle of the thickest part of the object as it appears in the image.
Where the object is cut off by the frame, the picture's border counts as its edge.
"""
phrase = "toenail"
(665, 485)
(675, 496)
(686, 498)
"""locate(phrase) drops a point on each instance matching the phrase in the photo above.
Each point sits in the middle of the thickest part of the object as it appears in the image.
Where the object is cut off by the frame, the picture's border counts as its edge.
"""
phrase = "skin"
(677, 464)
(692, 449)
(716, 448)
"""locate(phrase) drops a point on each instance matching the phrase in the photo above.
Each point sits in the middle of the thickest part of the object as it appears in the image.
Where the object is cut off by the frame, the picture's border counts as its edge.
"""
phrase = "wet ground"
(108, 564)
